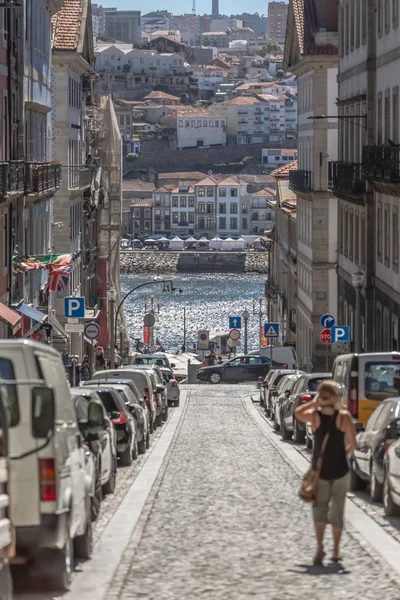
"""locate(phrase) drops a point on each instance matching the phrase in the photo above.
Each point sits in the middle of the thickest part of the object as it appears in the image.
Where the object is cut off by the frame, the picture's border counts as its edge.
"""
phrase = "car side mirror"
(393, 430)
(160, 388)
(95, 415)
(114, 415)
(173, 365)
(43, 412)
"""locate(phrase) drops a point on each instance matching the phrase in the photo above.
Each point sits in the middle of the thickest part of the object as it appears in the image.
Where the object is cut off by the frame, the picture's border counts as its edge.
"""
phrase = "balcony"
(300, 180)
(12, 179)
(42, 178)
(381, 163)
(345, 178)
(80, 177)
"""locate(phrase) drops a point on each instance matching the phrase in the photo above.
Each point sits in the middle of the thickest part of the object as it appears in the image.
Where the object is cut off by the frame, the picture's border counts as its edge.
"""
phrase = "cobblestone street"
(223, 520)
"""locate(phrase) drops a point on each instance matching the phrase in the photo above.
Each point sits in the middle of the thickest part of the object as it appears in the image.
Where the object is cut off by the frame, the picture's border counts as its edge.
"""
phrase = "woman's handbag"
(309, 484)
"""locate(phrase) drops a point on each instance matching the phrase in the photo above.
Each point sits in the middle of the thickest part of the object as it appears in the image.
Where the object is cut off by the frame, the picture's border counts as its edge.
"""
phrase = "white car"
(173, 389)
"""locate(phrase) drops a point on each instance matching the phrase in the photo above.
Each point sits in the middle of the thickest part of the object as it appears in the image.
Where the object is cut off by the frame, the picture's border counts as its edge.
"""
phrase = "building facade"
(311, 54)
(277, 18)
(123, 26)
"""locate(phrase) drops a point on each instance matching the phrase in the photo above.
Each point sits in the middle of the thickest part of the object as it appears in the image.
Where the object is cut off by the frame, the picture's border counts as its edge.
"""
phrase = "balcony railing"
(300, 180)
(42, 178)
(79, 177)
(12, 178)
(381, 162)
(345, 177)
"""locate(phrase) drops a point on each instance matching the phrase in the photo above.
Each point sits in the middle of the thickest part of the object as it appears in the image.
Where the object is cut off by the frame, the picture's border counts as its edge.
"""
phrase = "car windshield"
(9, 391)
(314, 383)
(151, 360)
(382, 380)
(108, 401)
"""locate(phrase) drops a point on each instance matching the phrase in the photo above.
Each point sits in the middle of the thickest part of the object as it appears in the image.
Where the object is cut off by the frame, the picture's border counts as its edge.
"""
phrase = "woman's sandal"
(337, 559)
(319, 557)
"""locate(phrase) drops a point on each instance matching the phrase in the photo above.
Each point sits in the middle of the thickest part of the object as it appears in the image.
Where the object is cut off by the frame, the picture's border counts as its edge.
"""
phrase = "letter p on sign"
(74, 307)
(340, 334)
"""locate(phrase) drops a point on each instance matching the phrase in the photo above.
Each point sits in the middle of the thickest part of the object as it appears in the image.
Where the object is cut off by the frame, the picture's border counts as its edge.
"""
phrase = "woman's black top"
(334, 462)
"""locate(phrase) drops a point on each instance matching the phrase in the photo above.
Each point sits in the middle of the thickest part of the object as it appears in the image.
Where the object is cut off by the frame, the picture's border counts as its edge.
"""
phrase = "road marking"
(97, 574)
(372, 533)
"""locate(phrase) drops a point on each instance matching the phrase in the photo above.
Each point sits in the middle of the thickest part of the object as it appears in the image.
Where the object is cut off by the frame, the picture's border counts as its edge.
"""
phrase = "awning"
(91, 314)
(9, 316)
(30, 312)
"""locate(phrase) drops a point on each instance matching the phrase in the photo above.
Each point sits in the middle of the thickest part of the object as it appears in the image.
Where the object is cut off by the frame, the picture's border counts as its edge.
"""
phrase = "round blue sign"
(92, 331)
(203, 337)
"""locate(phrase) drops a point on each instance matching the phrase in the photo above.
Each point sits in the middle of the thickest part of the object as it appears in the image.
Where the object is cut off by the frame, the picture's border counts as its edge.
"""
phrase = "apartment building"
(277, 18)
(162, 209)
(189, 26)
(123, 26)
(183, 209)
(208, 78)
(114, 58)
(155, 21)
(311, 54)
(247, 119)
(196, 127)
(261, 212)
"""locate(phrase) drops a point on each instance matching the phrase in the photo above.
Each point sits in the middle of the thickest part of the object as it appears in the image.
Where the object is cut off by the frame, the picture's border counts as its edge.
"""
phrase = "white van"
(51, 494)
(283, 357)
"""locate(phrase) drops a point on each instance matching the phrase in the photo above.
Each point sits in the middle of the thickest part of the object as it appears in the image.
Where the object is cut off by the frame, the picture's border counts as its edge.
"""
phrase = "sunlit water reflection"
(209, 300)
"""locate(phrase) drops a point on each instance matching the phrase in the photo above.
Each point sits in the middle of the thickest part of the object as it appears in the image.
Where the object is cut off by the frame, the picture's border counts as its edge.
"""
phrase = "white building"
(208, 78)
(196, 127)
(183, 209)
(247, 118)
(112, 58)
(155, 21)
(276, 157)
(224, 24)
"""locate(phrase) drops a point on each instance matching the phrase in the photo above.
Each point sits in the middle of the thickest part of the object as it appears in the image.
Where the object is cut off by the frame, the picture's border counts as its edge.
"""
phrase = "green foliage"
(232, 167)
(132, 156)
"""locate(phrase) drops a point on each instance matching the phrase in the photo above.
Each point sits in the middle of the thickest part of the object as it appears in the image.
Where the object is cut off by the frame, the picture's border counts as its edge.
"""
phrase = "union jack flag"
(58, 279)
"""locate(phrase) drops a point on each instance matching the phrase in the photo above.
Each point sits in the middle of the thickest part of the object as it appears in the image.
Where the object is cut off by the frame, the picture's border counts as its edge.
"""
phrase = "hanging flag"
(45, 261)
(58, 279)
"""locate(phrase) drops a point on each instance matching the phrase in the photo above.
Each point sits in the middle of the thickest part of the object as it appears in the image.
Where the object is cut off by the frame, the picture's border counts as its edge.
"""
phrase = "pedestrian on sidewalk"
(334, 443)
(86, 372)
(211, 358)
(100, 361)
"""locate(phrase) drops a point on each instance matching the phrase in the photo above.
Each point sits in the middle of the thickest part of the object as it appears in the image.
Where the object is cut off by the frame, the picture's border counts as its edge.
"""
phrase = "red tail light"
(174, 383)
(147, 396)
(386, 447)
(121, 420)
(47, 470)
(306, 398)
(156, 399)
(285, 367)
(353, 397)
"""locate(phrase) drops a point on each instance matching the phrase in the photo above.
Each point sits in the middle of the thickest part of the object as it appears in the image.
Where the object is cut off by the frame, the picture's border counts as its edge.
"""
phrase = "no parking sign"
(203, 339)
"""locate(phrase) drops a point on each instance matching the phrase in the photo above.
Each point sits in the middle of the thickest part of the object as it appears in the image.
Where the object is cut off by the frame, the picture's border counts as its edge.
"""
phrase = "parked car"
(284, 390)
(243, 368)
(264, 385)
(6, 526)
(124, 423)
(304, 391)
(142, 381)
(380, 431)
(172, 386)
(160, 391)
(391, 486)
(104, 448)
(272, 388)
(51, 505)
(365, 380)
(155, 358)
(283, 357)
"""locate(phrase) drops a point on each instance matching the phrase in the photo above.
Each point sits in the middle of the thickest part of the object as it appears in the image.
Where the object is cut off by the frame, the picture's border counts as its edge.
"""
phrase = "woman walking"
(334, 442)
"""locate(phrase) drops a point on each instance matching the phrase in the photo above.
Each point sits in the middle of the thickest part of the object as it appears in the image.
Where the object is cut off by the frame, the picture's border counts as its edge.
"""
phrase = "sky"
(178, 7)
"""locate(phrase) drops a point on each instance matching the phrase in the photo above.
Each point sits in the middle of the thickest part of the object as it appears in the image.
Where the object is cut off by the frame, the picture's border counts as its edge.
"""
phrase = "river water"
(209, 300)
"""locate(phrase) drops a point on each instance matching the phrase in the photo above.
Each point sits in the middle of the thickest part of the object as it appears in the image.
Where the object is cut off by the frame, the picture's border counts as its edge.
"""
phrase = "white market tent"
(191, 239)
(249, 239)
(228, 245)
(176, 244)
(204, 240)
(240, 244)
(163, 239)
(216, 243)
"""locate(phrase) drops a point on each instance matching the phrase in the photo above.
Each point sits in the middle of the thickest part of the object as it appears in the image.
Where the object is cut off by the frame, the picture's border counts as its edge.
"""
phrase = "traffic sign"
(92, 331)
(340, 335)
(74, 307)
(234, 343)
(149, 320)
(203, 339)
(327, 321)
(234, 335)
(325, 336)
(72, 328)
(235, 322)
(271, 330)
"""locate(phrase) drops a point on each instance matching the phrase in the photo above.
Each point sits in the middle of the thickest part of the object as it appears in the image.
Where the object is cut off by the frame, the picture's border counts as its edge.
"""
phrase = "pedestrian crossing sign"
(271, 330)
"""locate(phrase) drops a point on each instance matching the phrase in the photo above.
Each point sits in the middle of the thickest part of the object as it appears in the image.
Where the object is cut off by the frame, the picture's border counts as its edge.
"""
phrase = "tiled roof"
(67, 25)
(189, 188)
(298, 10)
(230, 181)
(207, 181)
(241, 100)
(154, 94)
(256, 179)
(183, 176)
(283, 171)
(137, 185)
(141, 204)
(264, 192)
(164, 189)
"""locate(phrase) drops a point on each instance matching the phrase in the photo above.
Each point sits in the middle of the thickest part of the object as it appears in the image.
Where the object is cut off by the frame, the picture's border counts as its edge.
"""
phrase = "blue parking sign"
(74, 307)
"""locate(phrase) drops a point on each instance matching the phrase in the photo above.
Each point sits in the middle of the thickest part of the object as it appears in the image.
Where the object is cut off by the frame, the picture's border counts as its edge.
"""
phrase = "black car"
(124, 423)
(304, 391)
(372, 444)
(243, 368)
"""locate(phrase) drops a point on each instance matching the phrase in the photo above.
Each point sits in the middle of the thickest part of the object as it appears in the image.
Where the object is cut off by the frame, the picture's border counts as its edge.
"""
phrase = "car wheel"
(83, 544)
(142, 445)
(62, 564)
(274, 421)
(285, 433)
(356, 483)
(109, 487)
(151, 424)
(391, 508)
(261, 400)
(6, 587)
(176, 403)
(148, 439)
(309, 442)
(135, 450)
(165, 414)
(298, 435)
(268, 411)
(97, 498)
(159, 420)
(375, 488)
(125, 457)
(215, 377)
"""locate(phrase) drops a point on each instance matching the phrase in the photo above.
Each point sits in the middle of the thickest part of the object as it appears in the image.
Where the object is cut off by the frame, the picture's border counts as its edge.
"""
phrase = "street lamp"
(245, 315)
(357, 280)
(111, 297)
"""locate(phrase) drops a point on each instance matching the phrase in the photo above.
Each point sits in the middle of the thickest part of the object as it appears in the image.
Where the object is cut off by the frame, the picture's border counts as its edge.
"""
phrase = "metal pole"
(270, 355)
(357, 322)
(112, 333)
(73, 360)
(184, 327)
(259, 328)
(327, 358)
(245, 336)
